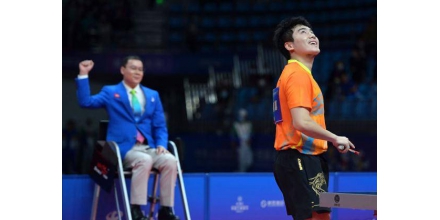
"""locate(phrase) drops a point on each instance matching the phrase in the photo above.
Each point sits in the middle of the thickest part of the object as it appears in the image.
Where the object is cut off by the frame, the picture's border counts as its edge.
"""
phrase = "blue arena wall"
(213, 196)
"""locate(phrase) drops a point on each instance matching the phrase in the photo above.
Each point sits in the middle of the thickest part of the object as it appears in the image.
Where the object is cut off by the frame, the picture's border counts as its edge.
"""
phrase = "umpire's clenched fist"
(85, 66)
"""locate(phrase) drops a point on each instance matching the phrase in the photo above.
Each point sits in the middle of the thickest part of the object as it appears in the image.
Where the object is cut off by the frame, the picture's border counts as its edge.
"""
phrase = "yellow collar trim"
(301, 64)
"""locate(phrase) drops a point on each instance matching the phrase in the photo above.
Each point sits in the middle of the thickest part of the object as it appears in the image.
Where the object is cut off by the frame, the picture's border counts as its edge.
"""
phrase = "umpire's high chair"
(121, 174)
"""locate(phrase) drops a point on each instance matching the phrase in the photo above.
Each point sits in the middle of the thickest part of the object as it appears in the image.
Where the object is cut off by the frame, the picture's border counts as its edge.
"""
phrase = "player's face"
(304, 41)
(133, 72)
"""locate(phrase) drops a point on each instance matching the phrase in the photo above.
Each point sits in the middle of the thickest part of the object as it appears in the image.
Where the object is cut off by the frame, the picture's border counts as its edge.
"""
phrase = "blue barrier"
(245, 196)
(77, 196)
(214, 196)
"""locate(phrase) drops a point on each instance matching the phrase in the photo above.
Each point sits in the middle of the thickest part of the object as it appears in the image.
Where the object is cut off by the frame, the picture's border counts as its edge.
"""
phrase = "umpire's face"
(133, 72)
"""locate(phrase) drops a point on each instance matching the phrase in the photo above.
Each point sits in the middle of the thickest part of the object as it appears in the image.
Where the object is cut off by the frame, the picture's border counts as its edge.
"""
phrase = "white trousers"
(141, 159)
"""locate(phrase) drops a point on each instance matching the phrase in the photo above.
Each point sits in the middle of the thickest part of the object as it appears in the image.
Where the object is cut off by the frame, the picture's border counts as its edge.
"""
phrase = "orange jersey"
(297, 88)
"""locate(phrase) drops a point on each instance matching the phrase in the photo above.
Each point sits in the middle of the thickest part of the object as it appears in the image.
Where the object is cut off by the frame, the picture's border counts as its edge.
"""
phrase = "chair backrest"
(102, 133)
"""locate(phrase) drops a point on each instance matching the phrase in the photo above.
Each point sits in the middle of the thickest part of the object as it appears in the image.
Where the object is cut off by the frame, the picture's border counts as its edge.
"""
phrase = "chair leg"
(153, 199)
(118, 210)
(95, 201)
(121, 178)
(181, 183)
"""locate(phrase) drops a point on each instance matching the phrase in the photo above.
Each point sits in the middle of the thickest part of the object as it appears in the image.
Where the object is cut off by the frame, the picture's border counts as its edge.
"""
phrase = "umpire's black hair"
(283, 33)
(127, 58)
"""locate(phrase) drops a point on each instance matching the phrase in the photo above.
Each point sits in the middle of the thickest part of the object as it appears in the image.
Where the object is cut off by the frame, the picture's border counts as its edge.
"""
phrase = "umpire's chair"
(111, 146)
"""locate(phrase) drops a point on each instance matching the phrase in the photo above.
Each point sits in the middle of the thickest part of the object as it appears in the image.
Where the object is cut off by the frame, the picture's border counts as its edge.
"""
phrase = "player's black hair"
(283, 33)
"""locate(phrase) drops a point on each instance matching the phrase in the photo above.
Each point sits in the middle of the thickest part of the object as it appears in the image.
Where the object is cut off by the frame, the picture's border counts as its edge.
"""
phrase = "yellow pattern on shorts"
(317, 182)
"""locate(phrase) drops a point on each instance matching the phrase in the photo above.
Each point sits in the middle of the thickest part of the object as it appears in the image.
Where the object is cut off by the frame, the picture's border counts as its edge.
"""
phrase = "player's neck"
(306, 60)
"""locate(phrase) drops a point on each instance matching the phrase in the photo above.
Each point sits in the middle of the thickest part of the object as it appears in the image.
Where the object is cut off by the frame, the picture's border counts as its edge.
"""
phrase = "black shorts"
(301, 178)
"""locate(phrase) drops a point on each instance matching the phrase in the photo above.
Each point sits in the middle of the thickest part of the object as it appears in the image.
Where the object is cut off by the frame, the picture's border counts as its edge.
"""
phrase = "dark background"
(208, 59)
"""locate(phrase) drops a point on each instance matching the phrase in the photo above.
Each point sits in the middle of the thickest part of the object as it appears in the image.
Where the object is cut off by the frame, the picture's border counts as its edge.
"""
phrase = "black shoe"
(166, 213)
(136, 213)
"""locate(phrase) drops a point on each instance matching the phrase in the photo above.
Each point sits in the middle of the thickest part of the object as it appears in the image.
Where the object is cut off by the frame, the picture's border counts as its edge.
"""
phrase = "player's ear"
(289, 46)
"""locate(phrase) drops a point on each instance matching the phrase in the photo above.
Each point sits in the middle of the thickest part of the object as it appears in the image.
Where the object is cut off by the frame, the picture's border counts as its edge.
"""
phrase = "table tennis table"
(351, 200)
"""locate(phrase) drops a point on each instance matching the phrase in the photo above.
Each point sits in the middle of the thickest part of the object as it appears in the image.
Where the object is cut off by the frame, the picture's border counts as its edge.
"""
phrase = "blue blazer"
(122, 125)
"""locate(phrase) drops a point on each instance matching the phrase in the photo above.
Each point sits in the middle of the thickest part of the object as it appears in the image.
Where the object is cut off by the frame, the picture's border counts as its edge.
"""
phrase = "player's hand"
(161, 150)
(85, 66)
(345, 143)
